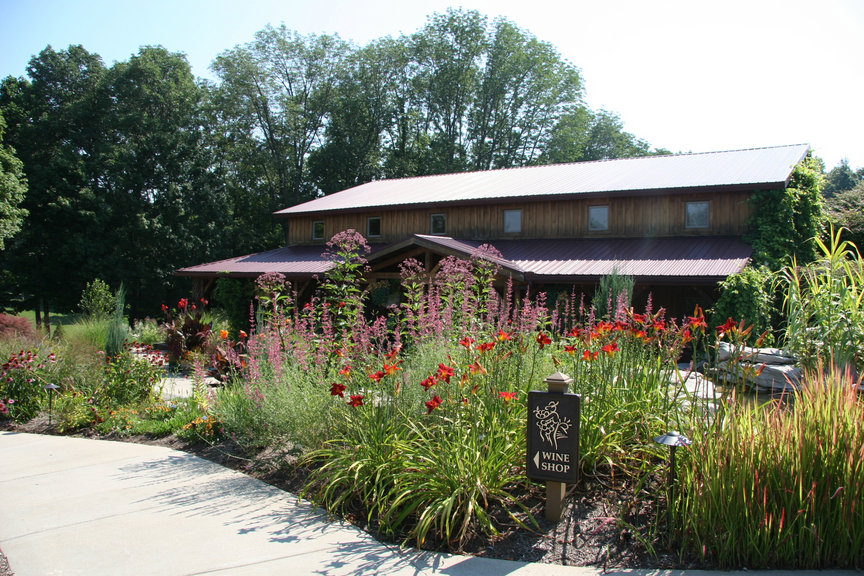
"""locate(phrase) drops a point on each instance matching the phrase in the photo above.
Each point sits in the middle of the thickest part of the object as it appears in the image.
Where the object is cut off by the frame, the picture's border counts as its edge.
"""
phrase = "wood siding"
(628, 217)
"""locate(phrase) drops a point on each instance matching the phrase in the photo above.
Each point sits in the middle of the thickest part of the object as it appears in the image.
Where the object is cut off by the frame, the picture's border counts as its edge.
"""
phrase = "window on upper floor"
(438, 224)
(697, 214)
(373, 227)
(598, 218)
(318, 230)
(512, 221)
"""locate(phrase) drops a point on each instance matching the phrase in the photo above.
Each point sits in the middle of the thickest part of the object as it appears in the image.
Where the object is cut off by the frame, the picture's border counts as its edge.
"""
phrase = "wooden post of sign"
(555, 491)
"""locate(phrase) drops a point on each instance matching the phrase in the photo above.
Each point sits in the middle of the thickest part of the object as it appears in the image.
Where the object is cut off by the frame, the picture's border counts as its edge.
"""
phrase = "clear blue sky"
(687, 75)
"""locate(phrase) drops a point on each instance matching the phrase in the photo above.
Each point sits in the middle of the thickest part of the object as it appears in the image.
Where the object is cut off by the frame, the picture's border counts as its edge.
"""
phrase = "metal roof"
(694, 260)
(756, 168)
(704, 259)
(291, 260)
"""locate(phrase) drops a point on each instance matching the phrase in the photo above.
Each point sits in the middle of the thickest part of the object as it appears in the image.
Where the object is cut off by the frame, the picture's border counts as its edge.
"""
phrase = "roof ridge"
(582, 162)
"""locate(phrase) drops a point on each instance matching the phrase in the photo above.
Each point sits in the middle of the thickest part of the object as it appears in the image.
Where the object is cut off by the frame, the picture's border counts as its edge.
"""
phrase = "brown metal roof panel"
(754, 168)
(637, 257)
(296, 260)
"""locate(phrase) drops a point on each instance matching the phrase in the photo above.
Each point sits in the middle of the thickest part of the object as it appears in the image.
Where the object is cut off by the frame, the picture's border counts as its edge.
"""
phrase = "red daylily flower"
(502, 336)
(476, 368)
(243, 335)
(574, 333)
(337, 389)
(589, 356)
(570, 349)
(611, 348)
(377, 376)
(356, 400)
(429, 382)
(507, 396)
(346, 371)
(485, 347)
(433, 404)
(543, 340)
(445, 372)
(729, 325)
(467, 342)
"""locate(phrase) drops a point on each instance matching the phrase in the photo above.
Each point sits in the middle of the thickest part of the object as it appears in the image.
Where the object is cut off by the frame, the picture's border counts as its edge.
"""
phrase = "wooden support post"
(555, 491)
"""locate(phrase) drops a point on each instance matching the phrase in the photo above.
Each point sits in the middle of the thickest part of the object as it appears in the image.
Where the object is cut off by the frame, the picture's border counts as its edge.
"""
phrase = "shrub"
(746, 296)
(97, 300)
(16, 327)
(234, 296)
(127, 380)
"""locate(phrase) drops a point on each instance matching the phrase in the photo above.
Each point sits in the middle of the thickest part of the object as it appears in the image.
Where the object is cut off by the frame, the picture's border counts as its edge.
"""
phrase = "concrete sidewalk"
(71, 506)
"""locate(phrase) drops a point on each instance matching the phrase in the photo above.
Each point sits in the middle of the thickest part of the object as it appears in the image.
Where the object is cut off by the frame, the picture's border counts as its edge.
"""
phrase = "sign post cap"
(559, 378)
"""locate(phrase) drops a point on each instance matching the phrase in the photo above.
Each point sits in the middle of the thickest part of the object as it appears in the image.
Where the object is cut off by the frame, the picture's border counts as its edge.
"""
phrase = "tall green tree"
(54, 120)
(165, 208)
(839, 179)
(13, 187)
(524, 90)
(121, 182)
(363, 108)
(277, 93)
(448, 51)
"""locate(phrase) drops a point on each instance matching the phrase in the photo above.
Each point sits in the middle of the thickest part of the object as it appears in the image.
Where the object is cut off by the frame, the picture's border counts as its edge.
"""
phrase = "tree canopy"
(13, 187)
(137, 169)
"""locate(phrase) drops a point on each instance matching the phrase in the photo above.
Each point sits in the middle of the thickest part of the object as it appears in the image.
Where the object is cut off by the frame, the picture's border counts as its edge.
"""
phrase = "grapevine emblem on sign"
(552, 426)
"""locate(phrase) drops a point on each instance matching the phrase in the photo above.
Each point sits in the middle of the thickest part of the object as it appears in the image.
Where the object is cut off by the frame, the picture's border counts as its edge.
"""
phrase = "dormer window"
(438, 224)
(318, 230)
(697, 215)
(373, 227)
(598, 218)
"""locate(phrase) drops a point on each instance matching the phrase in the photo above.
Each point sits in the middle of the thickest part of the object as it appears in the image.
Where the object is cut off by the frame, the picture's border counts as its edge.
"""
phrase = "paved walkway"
(73, 506)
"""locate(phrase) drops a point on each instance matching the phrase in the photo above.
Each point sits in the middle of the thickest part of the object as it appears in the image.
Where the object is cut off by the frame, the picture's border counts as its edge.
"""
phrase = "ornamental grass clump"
(824, 305)
(779, 485)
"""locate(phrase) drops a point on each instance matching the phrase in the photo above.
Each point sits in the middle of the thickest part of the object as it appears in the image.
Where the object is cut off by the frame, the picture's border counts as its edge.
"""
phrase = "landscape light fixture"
(50, 388)
(673, 440)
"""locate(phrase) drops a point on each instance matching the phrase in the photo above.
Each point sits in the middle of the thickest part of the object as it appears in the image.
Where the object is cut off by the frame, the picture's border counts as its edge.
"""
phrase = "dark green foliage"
(846, 210)
(840, 179)
(234, 296)
(746, 296)
(13, 187)
(784, 222)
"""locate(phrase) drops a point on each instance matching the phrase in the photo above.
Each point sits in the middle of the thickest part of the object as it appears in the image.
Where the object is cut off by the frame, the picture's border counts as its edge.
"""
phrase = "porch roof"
(698, 260)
